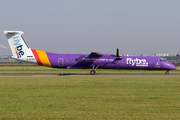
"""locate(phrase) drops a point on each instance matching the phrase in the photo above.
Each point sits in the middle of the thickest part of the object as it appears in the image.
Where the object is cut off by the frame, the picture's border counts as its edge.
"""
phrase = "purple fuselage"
(107, 61)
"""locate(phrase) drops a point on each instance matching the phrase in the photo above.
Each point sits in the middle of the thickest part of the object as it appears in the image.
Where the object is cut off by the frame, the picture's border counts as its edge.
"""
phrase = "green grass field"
(46, 70)
(70, 98)
(87, 97)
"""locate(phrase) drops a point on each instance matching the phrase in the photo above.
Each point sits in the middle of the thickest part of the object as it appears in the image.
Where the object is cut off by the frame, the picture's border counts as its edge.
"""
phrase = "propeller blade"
(117, 55)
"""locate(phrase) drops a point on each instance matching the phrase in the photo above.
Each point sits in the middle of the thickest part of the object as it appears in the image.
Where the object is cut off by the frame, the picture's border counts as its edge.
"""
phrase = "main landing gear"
(93, 71)
(167, 73)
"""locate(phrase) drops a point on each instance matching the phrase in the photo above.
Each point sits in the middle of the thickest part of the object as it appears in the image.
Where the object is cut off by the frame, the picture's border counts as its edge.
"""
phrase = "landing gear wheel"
(93, 72)
(167, 73)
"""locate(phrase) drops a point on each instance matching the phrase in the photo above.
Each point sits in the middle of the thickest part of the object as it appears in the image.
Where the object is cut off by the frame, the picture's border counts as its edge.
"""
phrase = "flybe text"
(18, 48)
(136, 62)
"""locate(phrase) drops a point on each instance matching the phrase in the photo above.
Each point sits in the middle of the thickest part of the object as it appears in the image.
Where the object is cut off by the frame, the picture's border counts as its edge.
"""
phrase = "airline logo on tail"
(18, 48)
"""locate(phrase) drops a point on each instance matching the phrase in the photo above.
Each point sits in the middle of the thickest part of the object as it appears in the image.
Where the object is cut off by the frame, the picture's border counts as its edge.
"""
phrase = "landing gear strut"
(167, 73)
(93, 71)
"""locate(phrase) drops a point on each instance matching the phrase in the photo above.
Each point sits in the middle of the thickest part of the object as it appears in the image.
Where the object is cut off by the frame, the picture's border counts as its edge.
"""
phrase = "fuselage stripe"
(37, 57)
(43, 58)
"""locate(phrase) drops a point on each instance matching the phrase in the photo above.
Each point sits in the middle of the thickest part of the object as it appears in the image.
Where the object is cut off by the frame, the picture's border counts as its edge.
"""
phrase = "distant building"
(165, 54)
(5, 58)
(171, 57)
(125, 55)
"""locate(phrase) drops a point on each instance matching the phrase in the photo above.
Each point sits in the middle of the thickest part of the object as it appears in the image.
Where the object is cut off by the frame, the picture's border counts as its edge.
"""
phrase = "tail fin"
(21, 50)
(18, 45)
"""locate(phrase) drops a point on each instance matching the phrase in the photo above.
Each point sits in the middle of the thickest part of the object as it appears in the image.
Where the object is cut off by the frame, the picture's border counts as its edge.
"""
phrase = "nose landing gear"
(167, 73)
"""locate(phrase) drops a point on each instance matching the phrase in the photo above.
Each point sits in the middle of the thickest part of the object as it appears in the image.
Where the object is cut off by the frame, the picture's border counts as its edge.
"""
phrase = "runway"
(87, 75)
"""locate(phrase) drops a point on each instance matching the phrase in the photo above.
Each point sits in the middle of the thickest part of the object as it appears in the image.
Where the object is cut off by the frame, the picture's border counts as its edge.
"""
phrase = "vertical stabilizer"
(19, 47)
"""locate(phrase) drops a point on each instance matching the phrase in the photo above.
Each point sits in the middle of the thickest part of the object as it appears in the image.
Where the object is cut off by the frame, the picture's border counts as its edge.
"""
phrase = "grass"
(46, 70)
(90, 98)
(16, 63)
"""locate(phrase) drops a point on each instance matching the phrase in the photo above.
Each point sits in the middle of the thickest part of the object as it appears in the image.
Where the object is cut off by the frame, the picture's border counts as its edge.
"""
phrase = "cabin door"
(60, 62)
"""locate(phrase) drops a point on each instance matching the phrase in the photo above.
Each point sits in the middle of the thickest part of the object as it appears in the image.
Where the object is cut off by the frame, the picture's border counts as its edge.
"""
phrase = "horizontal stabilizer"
(14, 32)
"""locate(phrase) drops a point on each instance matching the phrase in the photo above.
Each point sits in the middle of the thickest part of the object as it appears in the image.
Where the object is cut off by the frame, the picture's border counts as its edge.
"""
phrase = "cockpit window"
(162, 60)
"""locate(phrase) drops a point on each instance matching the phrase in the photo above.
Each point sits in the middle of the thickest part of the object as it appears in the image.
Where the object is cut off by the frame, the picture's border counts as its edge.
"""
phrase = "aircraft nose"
(170, 66)
(174, 67)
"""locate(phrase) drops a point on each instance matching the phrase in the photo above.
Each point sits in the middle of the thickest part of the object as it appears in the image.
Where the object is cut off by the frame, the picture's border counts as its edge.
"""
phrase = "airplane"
(94, 60)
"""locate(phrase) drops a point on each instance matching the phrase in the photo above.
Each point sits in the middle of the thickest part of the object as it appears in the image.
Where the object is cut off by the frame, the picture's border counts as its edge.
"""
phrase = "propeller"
(117, 55)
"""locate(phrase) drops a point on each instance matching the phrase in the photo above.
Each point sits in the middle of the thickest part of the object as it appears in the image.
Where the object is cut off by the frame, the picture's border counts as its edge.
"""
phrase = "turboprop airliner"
(94, 60)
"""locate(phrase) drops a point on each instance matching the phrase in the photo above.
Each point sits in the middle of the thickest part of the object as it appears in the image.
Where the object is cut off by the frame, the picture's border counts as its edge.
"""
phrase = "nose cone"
(170, 66)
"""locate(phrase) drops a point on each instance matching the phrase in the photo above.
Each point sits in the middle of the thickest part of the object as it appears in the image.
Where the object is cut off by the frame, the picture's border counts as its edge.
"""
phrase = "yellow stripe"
(43, 57)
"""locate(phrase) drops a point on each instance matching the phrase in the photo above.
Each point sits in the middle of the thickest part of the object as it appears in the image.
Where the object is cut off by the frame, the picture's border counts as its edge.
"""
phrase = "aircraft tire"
(167, 73)
(93, 72)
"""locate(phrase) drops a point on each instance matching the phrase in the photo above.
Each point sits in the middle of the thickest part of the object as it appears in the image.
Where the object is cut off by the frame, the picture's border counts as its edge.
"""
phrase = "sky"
(83, 26)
